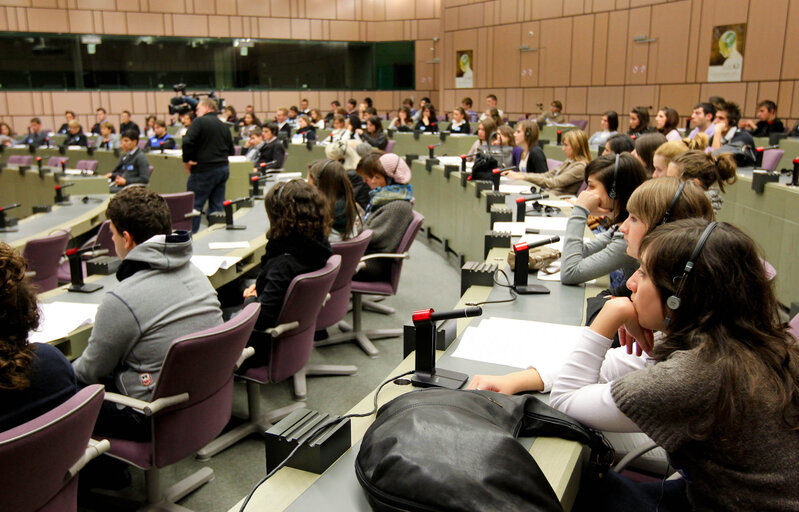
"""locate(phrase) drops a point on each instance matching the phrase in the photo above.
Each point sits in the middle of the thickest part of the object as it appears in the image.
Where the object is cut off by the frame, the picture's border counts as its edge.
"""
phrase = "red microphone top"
(161, 143)
(422, 315)
(262, 164)
(469, 178)
(520, 199)
(254, 178)
(57, 187)
(463, 157)
(796, 160)
(228, 202)
(497, 171)
(560, 132)
(760, 149)
(430, 146)
(72, 251)
(38, 159)
(521, 246)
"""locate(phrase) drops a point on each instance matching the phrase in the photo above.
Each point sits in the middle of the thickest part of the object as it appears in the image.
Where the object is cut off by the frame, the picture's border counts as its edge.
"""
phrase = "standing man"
(206, 147)
(702, 120)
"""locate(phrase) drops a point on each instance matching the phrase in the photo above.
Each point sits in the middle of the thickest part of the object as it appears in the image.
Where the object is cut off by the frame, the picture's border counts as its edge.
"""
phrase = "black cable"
(316, 431)
(509, 286)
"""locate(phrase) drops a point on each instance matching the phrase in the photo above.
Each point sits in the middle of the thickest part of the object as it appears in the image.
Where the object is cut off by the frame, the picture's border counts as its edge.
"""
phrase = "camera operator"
(206, 148)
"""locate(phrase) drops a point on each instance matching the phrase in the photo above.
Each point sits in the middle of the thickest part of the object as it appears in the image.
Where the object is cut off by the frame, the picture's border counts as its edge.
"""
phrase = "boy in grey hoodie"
(160, 297)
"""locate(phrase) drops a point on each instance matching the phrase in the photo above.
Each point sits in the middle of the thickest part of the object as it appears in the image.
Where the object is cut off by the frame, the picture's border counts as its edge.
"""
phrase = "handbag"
(456, 450)
(540, 258)
(484, 165)
(744, 154)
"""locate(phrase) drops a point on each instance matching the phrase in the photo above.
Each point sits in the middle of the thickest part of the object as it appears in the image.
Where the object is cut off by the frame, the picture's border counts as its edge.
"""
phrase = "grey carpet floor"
(429, 279)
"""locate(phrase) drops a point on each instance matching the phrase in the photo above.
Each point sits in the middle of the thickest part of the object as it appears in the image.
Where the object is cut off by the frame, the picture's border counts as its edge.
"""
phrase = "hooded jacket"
(160, 297)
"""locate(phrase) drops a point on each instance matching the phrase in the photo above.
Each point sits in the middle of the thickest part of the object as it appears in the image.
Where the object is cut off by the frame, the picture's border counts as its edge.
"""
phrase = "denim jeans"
(208, 186)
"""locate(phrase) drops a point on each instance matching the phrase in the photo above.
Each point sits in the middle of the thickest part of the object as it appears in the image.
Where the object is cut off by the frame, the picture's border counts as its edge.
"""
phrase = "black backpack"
(484, 165)
(448, 450)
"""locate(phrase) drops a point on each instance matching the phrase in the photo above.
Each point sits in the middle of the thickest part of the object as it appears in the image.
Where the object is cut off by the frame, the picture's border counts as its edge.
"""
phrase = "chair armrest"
(327, 298)
(94, 449)
(246, 353)
(634, 454)
(147, 408)
(30, 274)
(279, 330)
(396, 256)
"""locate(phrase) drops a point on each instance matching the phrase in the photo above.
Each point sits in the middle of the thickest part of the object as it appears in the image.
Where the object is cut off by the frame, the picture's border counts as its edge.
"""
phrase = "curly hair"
(296, 208)
(19, 314)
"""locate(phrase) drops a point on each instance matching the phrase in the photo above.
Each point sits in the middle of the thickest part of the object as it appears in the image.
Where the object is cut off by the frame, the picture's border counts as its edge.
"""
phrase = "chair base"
(374, 306)
(259, 423)
(166, 501)
(300, 384)
(362, 338)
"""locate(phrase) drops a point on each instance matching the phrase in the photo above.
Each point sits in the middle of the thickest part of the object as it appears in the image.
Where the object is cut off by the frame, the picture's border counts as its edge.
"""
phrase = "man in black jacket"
(206, 147)
(272, 152)
(35, 136)
(133, 167)
(75, 136)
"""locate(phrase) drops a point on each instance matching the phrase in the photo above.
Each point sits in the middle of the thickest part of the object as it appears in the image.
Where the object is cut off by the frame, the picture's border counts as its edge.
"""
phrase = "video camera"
(185, 102)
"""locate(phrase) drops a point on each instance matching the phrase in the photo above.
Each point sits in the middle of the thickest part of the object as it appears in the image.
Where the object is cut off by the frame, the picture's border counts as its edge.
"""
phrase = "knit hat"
(396, 168)
(338, 150)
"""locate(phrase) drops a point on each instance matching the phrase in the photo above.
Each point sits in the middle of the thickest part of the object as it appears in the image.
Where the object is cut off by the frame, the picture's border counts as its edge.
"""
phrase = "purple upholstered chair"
(40, 459)
(237, 150)
(190, 405)
(292, 342)
(383, 288)
(20, 160)
(390, 146)
(55, 161)
(103, 240)
(43, 256)
(86, 165)
(580, 123)
(181, 206)
(553, 164)
(793, 327)
(337, 306)
(771, 157)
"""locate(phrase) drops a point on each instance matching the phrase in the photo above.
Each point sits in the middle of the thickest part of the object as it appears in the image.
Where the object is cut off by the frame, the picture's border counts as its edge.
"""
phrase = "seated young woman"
(666, 122)
(299, 224)
(567, 178)
(374, 134)
(654, 203)
(611, 180)
(527, 155)
(390, 209)
(317, 120)
(340, 131)
(710, 172)
(34, 377)
(459, 125)
(724, 386)
(618, 144)
(305, 129)
(428, 122)
(610, 126)
(645, 147)
(485, 131)
(639, 122)
(664, 154)
(404, 120)
(331, 179)
(506, 142)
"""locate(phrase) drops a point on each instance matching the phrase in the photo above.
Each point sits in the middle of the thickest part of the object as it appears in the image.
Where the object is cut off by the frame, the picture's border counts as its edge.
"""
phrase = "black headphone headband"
(612, 194)
(673, 302)
(673, 203)
(322, 170)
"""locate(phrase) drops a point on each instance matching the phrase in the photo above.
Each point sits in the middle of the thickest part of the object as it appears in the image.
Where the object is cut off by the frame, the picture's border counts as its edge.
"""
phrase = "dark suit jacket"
(272, 154)
(134, 167)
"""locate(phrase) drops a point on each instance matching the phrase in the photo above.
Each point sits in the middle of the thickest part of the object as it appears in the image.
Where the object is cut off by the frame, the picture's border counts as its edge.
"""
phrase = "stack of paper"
(58, 319)
(210, 264)
(224, 246)
(519, 343)
(554, 225)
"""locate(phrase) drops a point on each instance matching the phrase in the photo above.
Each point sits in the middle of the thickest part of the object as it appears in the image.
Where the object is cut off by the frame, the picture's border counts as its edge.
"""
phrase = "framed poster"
(727, 53)
(464, 76)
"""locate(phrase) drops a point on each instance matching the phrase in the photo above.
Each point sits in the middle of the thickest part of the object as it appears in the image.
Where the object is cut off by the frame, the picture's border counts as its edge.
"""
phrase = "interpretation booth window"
(60, 61)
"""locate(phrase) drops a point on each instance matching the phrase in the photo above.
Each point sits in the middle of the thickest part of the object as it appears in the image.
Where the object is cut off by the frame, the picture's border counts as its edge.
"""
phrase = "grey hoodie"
(161, 297)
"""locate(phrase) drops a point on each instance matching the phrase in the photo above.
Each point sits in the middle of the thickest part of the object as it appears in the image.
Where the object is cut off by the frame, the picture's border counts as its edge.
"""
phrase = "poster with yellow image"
(727, 53)
(464, 76)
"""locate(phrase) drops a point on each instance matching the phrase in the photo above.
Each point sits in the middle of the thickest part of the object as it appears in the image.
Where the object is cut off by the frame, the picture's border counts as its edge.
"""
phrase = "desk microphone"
(759, 151)
(496, 174)
(60, 197)
(560, 137)
(522, 267)
(429, 315)
(795, 177)
(8, 224)
(263, 165)
(229, 204)
(432, 149)
(76, 269)
(464, 157)
(521, 204)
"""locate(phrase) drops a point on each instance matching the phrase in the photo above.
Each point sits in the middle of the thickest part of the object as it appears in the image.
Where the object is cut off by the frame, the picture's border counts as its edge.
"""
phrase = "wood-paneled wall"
(585, 54)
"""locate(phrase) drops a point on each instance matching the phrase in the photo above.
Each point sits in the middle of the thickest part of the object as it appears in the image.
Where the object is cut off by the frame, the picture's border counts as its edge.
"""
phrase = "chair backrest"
(202, 365)
(304, 298)
(150, 170)
(237, 150)
(793, 327)
(180, 204)
(390, 146)
(43, 255)
(351, 252)
(405, 246)
(55, 161)
(553, 164)
(143, 143)
(35, 456)
(580, 123)
(88, 165)
(772, 157)
(20, 159)
(285, 158)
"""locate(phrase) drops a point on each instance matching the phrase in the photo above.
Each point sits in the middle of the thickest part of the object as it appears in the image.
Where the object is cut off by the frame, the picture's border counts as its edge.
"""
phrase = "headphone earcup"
(673, 302)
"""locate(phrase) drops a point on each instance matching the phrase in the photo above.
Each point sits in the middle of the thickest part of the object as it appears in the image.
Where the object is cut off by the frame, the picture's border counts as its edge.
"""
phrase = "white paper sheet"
(58, 319)
(452, 160)
(554, 225)
(514, 188)
(286, 176)
(210, 264)
(515, 228)
(519, 343)
(214, 246)
(237, 158)
(557, 203)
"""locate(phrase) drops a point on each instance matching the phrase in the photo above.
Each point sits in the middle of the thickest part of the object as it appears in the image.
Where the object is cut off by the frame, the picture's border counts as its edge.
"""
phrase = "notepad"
(216, 246)
(515, 228)
(237, 158)
(554, 225)
(210, 264)
(519, 343)
(58, 319)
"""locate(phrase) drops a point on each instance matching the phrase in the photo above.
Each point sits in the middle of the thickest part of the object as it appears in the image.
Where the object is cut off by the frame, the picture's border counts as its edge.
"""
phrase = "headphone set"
(322, 171)
(673, 203)
(612, 194)
(673, 302)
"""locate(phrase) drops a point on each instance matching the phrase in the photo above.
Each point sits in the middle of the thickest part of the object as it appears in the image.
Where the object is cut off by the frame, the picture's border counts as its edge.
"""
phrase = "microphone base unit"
(440, 378)
(8, 229)
(318, 453)
(531, 289)
(231, 227)
(84, 288)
